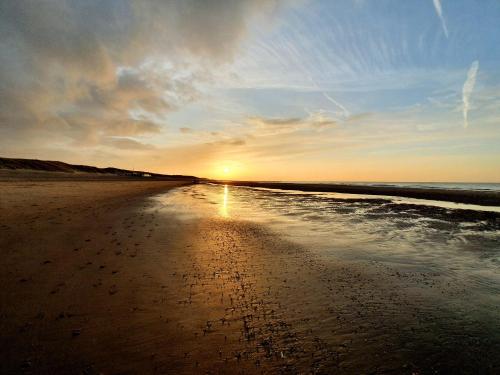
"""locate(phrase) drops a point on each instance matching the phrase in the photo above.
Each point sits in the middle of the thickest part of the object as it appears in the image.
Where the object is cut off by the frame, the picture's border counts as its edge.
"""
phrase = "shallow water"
(491, 186)
(424, 277)
(399, 232)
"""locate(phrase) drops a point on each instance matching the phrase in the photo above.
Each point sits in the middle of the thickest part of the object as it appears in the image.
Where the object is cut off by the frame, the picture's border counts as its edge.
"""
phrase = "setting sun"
(227, 169)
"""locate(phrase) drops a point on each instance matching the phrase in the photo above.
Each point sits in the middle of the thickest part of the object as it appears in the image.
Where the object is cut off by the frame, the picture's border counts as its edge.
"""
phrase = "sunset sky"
(366, 90)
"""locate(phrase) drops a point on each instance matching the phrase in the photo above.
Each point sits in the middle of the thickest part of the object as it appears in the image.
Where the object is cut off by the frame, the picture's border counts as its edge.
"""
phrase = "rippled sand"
(114, 279)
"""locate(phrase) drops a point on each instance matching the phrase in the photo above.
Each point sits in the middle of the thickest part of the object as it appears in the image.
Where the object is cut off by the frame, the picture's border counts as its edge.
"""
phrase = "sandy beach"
(96, 278)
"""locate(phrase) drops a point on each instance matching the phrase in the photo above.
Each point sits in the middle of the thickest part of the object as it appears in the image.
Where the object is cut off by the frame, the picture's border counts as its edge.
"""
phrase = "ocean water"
(472, 186)
(450, 185)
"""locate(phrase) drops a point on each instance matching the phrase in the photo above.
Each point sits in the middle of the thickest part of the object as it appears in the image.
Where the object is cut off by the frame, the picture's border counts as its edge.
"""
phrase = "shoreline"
(482, 198)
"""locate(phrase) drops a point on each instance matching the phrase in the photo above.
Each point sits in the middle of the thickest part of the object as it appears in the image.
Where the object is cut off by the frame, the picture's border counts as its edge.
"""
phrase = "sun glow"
(224, 212)
(226, 170)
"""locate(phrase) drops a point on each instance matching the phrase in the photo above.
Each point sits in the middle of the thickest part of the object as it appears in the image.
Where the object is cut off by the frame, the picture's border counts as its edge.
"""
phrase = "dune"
(58, 169)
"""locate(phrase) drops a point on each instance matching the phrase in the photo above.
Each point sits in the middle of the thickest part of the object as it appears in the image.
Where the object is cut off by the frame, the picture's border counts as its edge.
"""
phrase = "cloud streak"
(467, 90)
(439, 11)
(345, 112)
(314, 122)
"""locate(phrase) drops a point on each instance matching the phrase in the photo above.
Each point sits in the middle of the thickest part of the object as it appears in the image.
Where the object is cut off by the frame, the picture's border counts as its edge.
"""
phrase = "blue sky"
(292, 90)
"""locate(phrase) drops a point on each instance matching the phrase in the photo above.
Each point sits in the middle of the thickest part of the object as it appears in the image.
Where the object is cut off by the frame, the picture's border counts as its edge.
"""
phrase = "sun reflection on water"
(223, 208)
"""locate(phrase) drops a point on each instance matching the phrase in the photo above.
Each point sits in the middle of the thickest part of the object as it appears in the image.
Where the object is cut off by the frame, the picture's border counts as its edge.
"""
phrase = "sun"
(226, 169)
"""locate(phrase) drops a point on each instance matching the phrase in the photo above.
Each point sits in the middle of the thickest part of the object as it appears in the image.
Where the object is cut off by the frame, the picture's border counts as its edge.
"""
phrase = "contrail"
(344, 109)
(439, 11)
(467, 90)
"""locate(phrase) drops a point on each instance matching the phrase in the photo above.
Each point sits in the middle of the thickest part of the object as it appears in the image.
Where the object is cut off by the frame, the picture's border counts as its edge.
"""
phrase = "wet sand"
(487, 198)
(97, 279)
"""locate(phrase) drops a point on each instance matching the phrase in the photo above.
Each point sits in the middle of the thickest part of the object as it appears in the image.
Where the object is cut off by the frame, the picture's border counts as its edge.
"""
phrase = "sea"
(471, 186)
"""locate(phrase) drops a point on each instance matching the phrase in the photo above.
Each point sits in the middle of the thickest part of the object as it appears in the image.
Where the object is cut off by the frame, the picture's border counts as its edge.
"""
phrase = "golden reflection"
(223, 209)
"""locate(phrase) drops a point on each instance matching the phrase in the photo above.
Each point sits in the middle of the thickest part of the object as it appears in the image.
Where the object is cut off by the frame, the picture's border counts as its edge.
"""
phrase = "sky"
(343, 90)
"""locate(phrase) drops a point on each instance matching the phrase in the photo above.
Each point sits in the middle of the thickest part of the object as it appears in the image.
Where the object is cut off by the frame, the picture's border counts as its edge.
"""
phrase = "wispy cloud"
(439, 11)
(467, 90)
(345, 112)
(315, 121)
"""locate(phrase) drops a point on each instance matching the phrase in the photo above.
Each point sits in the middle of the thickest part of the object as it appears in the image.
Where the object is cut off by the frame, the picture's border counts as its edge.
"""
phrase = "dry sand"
(96, 280)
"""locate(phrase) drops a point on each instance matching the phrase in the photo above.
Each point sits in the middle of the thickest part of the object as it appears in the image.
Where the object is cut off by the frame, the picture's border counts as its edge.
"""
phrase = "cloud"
(467, 90)
(230, 142)
(256, 138)
(275, 122)
(126, 144)
(315, 121)
(439, 11)
(76, 72)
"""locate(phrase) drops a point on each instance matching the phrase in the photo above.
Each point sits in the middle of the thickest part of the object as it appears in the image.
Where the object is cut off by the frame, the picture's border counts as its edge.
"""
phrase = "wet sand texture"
(96, 279)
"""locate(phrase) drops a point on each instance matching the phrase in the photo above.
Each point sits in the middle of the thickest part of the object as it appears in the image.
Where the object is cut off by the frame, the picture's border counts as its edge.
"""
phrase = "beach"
(132, 277)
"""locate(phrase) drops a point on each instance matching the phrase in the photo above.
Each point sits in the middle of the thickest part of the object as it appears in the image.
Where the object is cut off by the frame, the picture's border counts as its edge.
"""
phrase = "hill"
(59, 166)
